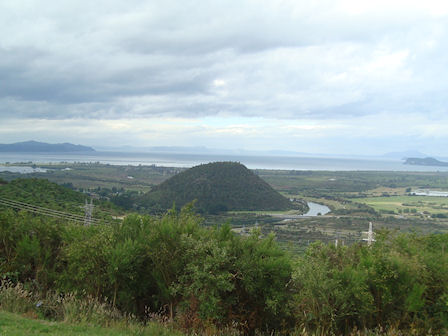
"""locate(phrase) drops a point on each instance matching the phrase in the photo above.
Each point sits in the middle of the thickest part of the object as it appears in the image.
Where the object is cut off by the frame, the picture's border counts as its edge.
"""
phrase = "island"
(428, 161)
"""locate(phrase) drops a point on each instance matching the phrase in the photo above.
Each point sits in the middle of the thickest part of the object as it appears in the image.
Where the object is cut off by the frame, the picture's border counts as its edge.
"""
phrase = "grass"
(17, 325)
(432, 205)
(14, 324)
(22, 313)
(379, 191)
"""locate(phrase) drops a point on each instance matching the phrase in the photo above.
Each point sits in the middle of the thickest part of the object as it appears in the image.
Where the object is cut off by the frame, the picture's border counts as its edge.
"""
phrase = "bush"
(205, 279)
(401, 281)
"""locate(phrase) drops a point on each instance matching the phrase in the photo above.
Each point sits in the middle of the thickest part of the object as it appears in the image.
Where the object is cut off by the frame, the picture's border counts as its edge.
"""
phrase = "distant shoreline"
(189, 160)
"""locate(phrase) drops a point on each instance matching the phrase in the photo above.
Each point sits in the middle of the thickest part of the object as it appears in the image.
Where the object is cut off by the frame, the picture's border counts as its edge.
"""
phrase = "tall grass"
(15, 298)
(87, 310)
(78, 309)
(69, 308)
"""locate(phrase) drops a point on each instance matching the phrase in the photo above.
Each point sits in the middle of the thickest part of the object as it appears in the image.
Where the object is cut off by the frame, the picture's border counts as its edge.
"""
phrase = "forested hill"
(49, 195)
(43, 193)
(35, 146)
(218, 186)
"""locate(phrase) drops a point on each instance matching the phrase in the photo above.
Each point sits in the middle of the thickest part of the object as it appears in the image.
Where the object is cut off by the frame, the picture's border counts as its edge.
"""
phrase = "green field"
(408, 204)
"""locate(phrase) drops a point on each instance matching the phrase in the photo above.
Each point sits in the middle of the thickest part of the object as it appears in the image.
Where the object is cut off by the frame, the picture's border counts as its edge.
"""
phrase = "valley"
(355, 198)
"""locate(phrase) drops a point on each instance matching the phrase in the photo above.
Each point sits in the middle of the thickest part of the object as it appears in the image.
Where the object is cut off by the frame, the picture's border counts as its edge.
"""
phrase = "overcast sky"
(349, 77)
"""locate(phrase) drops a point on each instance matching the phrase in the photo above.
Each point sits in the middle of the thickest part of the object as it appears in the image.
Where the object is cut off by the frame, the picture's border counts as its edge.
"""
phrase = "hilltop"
(218, 186)
(35, 146)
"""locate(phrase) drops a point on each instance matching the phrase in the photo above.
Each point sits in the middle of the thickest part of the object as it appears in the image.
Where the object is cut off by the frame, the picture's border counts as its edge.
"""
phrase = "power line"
(14, 202)
(27, 206)
(46, 211)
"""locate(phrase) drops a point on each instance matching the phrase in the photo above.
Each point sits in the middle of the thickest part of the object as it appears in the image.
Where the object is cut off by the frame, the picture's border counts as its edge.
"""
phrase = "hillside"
(219, 186)
(43, 193)
(35, 146)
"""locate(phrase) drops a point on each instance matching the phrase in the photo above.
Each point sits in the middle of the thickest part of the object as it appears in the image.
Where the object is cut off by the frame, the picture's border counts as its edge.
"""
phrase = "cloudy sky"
(349, 77)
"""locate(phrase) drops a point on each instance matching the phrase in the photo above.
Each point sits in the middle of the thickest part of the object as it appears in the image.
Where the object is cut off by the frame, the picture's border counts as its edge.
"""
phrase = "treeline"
(210, 278)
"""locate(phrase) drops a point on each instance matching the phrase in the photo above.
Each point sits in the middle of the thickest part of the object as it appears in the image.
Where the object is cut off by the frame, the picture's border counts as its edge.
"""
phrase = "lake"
(22, 170)
(315, 209)
(190, 160)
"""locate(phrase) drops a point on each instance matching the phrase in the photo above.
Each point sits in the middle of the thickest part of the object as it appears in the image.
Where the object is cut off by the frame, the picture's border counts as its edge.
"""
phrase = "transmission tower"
(370, 235)
(88, 209)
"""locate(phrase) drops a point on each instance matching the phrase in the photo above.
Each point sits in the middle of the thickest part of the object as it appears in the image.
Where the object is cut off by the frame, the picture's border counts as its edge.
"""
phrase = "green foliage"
(42, 193)
(217, 187)
(209, 278)
(398, 282)
(233, 279)
(29, 247)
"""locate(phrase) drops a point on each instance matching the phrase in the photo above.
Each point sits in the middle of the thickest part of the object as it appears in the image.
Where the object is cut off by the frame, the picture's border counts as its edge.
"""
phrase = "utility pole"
(370, 235)
(88, 209)
(337, 239)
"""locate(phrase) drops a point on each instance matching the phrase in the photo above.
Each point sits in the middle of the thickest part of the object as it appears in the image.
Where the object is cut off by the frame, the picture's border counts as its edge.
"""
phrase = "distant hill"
(218, 186)
(428, 161)
(35, 146)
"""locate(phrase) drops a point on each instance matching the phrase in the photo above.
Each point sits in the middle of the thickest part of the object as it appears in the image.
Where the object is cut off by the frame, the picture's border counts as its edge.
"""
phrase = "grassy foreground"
(14, 324)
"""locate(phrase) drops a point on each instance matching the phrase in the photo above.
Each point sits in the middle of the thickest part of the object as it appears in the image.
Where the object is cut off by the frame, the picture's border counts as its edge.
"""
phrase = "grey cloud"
(161, 58)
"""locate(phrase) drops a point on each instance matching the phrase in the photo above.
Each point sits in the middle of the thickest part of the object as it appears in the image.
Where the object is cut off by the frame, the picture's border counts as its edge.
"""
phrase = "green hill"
(218, 186)
(43, 193)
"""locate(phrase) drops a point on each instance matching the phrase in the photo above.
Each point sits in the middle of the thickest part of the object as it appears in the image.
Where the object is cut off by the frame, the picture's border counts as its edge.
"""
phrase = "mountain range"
(42, 147)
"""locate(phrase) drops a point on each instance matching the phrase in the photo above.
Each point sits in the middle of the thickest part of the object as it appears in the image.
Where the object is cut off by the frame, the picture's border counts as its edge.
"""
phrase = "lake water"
(190, 160)
(22, 170)
(316, 209)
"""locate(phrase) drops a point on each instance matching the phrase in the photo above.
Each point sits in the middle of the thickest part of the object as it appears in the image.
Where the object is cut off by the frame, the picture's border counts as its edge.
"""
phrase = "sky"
(336, 76)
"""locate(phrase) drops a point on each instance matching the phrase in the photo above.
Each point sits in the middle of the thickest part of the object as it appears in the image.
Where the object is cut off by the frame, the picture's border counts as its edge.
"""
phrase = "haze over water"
(190, 160)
